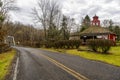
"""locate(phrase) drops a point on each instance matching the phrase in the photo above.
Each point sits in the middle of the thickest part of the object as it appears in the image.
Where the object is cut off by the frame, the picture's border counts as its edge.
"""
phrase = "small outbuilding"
(95, 31)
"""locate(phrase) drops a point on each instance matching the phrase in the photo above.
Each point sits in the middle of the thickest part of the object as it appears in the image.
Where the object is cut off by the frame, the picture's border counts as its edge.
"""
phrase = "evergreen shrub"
(100, 45)
(69, 44)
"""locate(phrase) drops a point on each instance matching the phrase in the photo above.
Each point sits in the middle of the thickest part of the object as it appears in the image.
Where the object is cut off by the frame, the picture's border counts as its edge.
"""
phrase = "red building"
(95, 31)
(96, 22)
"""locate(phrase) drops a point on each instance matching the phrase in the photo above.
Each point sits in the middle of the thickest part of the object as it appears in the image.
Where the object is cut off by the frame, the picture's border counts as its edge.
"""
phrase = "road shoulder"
(10, 73)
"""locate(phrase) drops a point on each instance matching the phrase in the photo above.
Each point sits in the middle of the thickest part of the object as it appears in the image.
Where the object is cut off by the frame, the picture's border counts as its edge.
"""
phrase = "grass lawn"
(112, 58)
(5, 61)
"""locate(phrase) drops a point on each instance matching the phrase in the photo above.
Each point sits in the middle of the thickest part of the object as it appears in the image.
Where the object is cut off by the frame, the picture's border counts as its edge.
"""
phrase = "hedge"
(100, 45)
(69, 44)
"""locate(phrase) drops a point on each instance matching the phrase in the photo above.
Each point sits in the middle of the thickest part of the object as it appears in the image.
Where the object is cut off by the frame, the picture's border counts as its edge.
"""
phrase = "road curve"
(36, 64)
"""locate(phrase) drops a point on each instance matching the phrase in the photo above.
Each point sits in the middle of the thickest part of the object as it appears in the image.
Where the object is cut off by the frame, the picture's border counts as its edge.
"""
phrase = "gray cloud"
(105, 9)
(108, 1)
(94, 9)
(81, 1)
(117, 1)
(112, 10)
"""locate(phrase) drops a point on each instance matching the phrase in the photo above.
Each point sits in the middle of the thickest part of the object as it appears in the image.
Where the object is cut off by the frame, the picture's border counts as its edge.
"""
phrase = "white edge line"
(16, 70)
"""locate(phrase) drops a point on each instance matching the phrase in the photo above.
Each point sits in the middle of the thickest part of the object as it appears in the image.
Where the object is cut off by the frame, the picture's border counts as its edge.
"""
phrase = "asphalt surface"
(34, 66)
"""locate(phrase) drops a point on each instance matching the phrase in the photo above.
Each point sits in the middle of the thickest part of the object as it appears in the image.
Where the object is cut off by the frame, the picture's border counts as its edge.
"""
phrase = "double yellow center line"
(70, 71)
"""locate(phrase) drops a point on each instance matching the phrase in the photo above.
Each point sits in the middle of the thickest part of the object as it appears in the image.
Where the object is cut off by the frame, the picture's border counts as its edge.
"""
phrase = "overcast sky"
(105, 9)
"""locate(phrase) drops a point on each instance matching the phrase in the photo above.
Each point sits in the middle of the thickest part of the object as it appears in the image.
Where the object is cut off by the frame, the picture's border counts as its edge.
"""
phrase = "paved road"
(36, 64)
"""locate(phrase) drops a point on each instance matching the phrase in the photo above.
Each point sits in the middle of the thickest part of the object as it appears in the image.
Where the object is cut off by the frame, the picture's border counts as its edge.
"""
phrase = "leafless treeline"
(24, 34)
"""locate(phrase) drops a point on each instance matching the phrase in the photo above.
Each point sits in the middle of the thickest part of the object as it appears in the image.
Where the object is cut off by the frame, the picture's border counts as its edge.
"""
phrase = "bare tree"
(106, 23)
(5, 6)
(45, 13)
